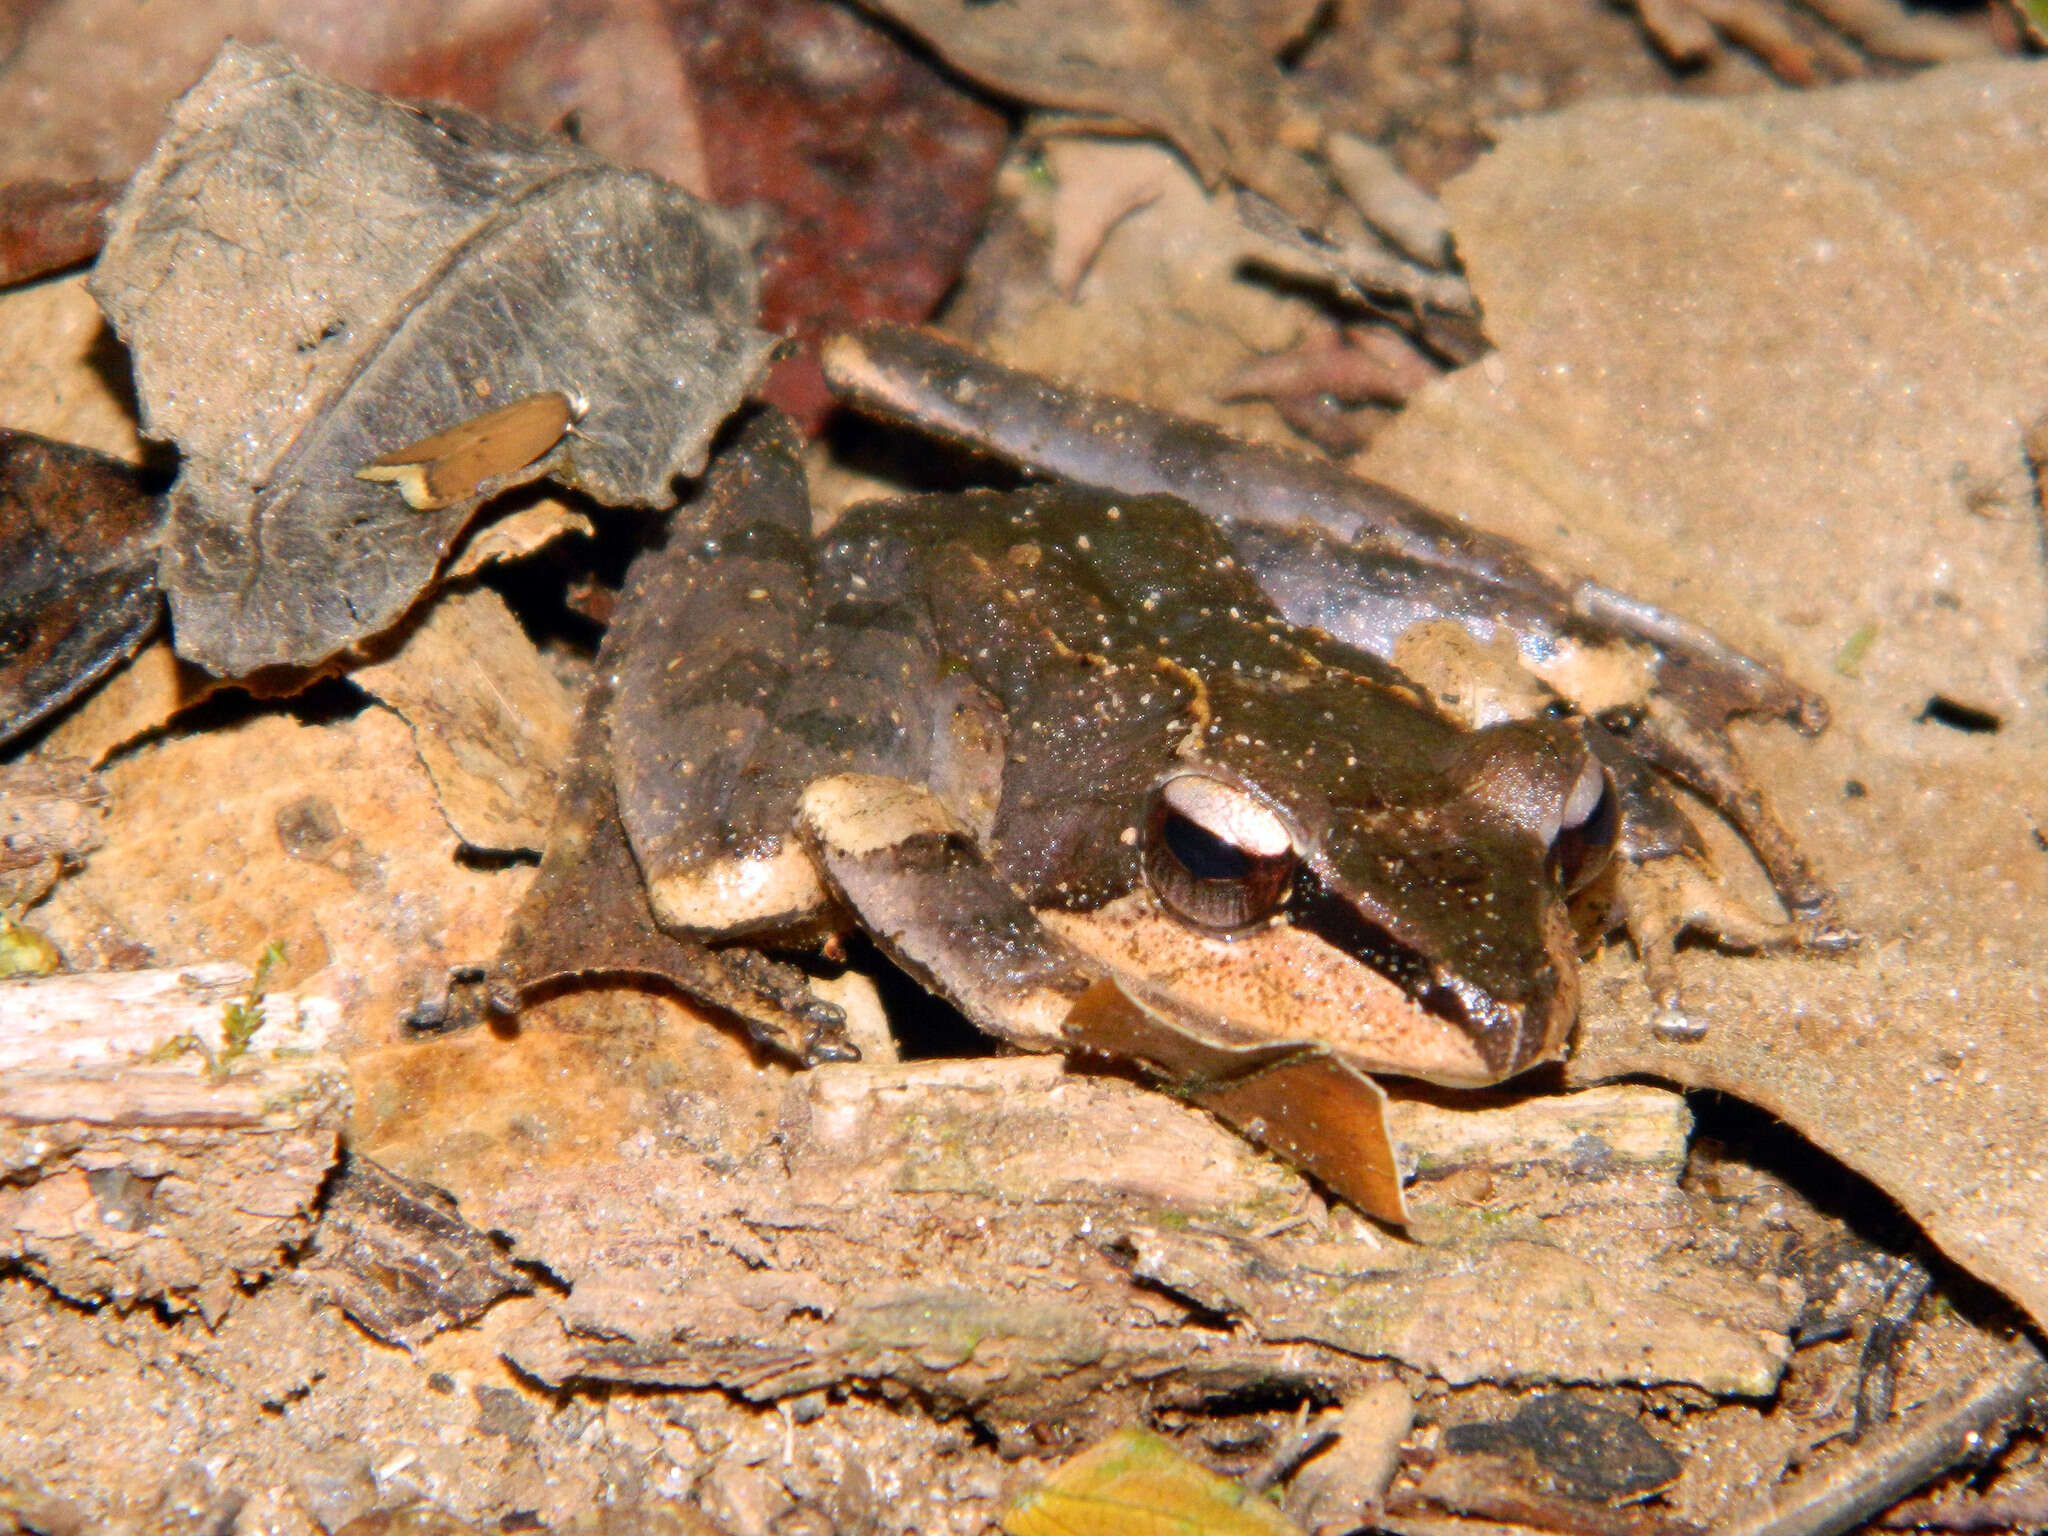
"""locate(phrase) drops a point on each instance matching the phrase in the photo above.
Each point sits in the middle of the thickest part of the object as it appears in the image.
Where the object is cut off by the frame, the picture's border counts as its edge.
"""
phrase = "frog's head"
(1379, 880)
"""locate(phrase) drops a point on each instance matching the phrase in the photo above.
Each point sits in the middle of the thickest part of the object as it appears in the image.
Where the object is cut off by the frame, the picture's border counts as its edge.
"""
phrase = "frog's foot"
(815, 1031)
(1666, 897)
(1705, 760)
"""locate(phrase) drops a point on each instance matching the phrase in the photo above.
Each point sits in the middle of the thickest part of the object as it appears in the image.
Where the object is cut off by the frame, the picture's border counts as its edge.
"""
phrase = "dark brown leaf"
(78, 587)
(876, 166)
(310, 277)
(394, 1255)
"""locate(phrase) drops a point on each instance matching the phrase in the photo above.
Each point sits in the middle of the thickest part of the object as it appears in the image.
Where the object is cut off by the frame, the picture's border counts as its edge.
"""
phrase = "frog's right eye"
(1588, 828)
(1215, 856)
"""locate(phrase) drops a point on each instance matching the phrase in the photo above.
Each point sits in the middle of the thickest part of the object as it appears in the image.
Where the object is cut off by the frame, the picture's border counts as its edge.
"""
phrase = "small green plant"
(244, 1016)
(23, 951)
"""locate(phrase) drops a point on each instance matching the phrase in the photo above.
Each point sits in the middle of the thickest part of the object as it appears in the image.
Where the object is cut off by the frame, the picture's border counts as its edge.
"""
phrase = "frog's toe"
(1670, 1021)
(1824, 933)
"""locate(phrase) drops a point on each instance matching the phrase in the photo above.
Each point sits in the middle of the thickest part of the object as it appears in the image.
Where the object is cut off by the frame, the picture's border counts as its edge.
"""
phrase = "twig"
(1967, 1423)
(1996, 1512)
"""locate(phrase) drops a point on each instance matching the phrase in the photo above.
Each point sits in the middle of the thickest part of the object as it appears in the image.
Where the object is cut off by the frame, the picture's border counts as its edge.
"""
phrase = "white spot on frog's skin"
(858, 814)
(734, 895)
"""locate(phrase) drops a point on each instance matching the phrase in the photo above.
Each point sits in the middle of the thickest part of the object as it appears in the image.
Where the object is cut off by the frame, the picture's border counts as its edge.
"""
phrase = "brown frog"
(1067, 757)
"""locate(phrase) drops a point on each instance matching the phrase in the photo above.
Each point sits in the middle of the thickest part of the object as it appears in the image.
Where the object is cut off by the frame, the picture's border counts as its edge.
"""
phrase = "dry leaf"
(491, 720)
(310, 277)
(1193, 73)
(78, 588)
(46, 226)
(1136, 1481)
(1768, 362)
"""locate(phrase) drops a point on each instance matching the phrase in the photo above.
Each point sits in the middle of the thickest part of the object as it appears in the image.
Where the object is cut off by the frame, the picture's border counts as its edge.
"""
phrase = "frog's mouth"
(1351, 987)
(1512, 1028)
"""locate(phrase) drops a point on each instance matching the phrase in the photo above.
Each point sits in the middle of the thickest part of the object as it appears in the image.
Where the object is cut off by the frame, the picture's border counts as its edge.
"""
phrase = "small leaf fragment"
(24, 952)
(1299, 1100)
(1138, 1482)
(475, 456)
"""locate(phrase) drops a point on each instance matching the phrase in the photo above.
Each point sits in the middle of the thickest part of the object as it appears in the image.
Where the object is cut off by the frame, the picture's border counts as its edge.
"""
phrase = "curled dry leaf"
(491, 721)
(311, 277)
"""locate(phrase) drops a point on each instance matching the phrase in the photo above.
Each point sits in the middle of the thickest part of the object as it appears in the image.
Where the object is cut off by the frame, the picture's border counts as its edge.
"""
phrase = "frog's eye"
(1216, 856)
(1587, 829)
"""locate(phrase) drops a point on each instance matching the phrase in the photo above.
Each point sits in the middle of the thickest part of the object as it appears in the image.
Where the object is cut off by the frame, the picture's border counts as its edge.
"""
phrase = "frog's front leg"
(915, 876)
(1665, 886)
(586, 915)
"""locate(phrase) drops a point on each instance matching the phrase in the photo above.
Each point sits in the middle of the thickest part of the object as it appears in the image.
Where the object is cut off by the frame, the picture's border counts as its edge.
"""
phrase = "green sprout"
(244, 1016)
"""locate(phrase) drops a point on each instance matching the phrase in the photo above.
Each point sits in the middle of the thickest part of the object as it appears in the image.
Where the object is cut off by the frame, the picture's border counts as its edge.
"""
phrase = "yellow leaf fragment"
(1135, 1483)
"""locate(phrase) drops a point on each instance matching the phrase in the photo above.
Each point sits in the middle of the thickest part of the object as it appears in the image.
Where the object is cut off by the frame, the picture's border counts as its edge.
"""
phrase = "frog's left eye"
(1216, 856)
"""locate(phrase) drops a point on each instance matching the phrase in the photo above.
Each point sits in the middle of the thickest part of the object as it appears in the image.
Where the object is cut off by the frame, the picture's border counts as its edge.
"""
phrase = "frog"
(1081, 759)
(1469, 617)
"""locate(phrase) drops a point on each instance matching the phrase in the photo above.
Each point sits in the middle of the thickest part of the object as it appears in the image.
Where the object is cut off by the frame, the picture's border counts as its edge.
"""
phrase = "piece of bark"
(1576, 1450)
(491, 719)
(143, 1154)
(1486, 1486)
(396, 1256)
(50, 815)
(1606, 1129)
(46, 226)
(1047, 1212)
(310, 277)
(1342, 1486)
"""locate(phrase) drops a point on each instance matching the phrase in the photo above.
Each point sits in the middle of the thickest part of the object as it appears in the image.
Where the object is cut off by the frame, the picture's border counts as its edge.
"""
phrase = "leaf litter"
(290, 326)
(776, 1206)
